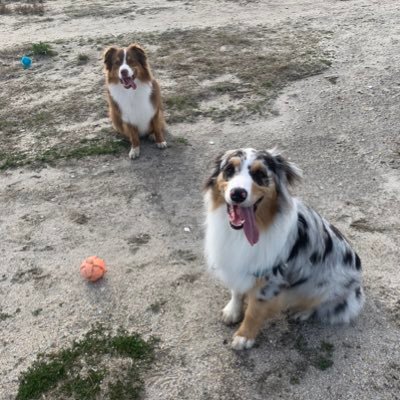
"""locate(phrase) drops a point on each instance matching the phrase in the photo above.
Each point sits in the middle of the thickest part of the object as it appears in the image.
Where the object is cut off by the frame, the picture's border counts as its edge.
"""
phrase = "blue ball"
(26, 62)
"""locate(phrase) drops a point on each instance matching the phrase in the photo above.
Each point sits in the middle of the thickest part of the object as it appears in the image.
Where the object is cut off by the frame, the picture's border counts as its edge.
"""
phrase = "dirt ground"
(340, 124)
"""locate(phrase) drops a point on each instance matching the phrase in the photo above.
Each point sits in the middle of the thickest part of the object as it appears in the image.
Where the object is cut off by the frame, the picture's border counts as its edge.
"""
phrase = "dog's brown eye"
(259, 177)
(229, 171)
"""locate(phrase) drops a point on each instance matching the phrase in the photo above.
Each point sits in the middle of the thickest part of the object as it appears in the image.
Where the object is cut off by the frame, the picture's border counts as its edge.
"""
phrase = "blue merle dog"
(263, 243)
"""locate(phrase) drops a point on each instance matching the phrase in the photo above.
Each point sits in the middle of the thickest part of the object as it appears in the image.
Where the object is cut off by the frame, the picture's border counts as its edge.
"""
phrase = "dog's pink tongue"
(130, 82)
(249, 227)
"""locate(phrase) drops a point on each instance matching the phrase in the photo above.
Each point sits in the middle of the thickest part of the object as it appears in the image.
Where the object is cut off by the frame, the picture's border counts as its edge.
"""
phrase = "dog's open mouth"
(128, 82)
(244, 217)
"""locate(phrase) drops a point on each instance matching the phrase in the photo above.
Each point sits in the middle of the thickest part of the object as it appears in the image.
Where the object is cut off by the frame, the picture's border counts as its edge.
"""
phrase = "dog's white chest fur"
(230, 256)
(135, 105)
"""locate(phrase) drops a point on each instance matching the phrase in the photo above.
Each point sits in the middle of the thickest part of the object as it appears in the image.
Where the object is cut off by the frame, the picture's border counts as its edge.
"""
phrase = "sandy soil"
(344, 135)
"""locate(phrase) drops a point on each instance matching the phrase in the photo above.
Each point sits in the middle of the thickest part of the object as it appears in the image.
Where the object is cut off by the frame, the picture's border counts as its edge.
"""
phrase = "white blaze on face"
(242, 215)
(242, 180)
(125, 66)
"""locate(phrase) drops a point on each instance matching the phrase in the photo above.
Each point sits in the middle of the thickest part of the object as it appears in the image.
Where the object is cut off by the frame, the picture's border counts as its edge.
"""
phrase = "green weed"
(4, 316)
(83, 59)
(36, 312)
(320, 358)
(42, 49)
(61, 373)
(182, 140)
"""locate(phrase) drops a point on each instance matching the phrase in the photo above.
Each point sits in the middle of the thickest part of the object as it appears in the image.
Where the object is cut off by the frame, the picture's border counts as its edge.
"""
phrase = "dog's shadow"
(289, 353)
(169, 180)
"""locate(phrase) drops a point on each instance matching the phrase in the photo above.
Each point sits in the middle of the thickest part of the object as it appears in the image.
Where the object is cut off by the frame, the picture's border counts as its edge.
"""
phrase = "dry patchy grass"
(248, 66)
(216, 73)
(26, 7)
(29, 9)
(97, 9)
(5, 9)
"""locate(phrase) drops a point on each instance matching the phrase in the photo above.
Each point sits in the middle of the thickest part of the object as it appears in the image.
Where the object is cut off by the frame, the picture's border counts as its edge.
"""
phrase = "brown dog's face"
(125, 65)
(252, 185)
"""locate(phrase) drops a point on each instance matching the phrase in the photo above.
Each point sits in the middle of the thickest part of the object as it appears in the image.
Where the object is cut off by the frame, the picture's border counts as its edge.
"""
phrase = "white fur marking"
(232, 312)
(231, 257)
(241, 343)
(126, 66)
(134, 152)
(243, 181)
(135, 105)
(162, 145)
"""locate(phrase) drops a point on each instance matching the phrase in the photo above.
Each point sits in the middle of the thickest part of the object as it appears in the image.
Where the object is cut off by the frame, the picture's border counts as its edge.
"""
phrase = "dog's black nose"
(124, 73)
(238, 195)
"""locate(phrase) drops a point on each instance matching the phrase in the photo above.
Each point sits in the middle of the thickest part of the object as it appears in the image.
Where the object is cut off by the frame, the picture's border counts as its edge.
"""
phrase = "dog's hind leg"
(233, 311)
(343, 311)
(157, 129)
(301, 308)
(257, 312)
(157, 124)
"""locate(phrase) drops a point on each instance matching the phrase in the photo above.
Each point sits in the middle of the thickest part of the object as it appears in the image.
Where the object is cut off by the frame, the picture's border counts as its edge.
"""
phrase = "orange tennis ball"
(93, 268)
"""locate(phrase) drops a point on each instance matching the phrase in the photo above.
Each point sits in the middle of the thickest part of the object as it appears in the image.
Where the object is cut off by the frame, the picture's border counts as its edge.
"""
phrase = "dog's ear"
(139, 53)
(290, 171)
(108, 56)
(283, 169)
(215, 172)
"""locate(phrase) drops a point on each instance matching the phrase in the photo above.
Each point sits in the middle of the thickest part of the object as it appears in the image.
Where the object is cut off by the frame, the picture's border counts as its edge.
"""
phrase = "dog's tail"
(342, 311)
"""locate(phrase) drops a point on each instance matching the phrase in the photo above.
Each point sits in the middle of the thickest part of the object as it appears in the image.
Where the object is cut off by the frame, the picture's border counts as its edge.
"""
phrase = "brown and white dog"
(262, 242)
(134, 96)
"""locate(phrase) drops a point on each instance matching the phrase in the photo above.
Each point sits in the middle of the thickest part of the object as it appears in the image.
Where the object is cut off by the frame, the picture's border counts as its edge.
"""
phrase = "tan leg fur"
(258, 312)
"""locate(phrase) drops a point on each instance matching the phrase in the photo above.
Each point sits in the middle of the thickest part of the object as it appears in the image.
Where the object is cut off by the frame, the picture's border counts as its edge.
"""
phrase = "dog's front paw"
(134, 152)
(241, 343)
(162, 145)
(232, 313)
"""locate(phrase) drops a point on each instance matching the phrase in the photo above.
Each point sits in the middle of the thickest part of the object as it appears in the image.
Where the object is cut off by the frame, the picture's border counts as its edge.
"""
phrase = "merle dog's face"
(244, 178)
(251, 184)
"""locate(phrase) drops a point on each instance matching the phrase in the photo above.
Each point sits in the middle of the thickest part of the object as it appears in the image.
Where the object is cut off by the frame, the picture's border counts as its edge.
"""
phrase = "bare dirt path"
(341, 127)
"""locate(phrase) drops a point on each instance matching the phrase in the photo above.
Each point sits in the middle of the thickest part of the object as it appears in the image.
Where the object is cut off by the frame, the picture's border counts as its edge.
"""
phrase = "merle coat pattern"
(321, 261)
(291, 254)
